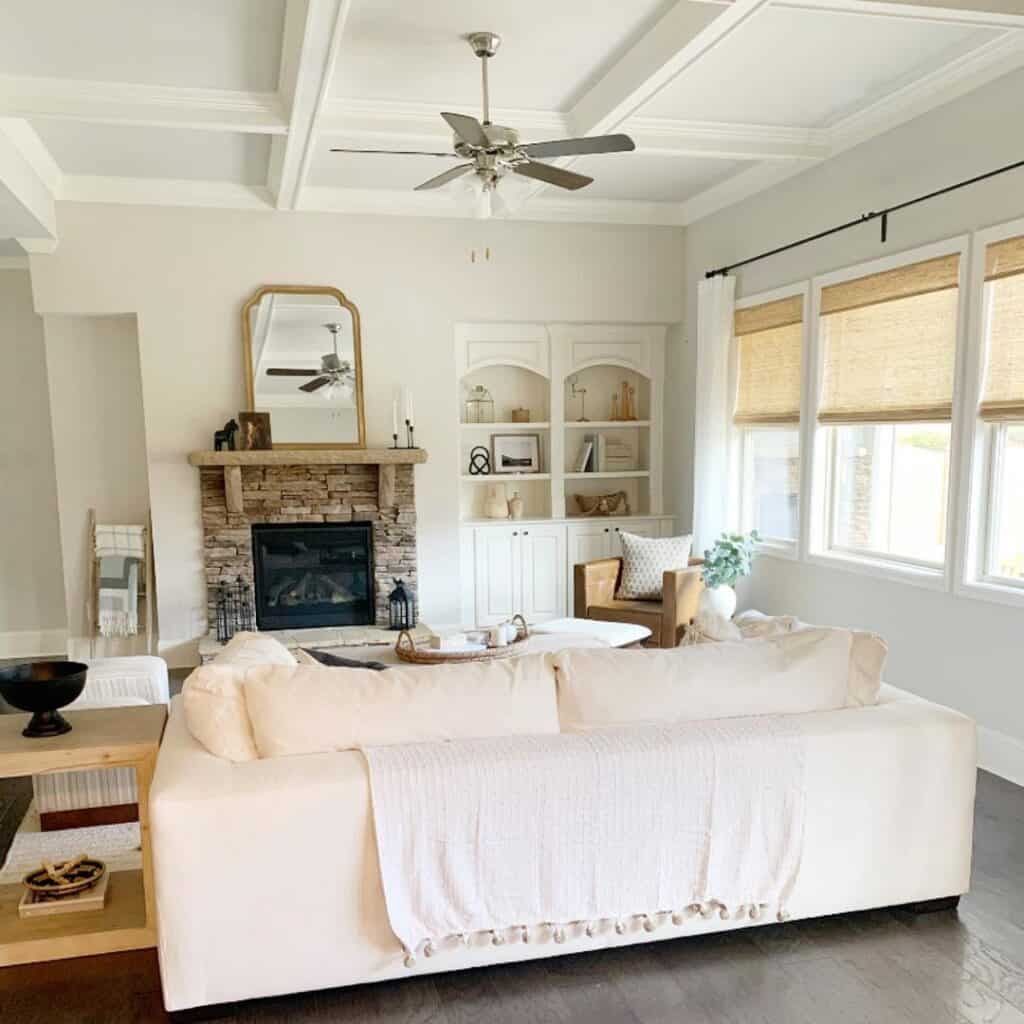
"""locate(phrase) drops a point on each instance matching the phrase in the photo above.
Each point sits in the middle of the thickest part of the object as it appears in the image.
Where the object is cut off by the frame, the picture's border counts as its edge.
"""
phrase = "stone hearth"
(239, 489)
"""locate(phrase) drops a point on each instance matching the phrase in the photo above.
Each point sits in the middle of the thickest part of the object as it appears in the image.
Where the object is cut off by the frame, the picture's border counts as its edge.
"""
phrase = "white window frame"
(776, 547)
(977, 467)
(815, 504)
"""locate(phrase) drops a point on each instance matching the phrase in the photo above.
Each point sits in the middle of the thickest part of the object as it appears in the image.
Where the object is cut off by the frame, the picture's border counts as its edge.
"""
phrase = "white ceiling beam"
(27, 184)
(141, 105)
(723, 140)
(685, 34)
(978, 13)
(312, 37)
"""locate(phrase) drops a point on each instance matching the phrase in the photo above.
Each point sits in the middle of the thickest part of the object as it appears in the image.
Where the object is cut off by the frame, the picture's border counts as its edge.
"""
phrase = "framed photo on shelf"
(515, 453)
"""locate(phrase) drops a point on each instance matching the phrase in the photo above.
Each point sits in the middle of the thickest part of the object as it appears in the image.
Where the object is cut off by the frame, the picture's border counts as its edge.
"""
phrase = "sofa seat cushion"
(307, 710)
(790, 674)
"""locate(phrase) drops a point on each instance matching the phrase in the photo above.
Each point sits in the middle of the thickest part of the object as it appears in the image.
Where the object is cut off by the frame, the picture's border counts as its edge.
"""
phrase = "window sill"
(778, 549)
(994, 593)
(896, 572)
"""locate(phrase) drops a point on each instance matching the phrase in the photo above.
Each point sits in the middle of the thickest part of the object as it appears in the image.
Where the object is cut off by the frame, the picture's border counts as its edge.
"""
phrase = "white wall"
(187, 273)
(32, 617)
(99, 444)
(960, 651)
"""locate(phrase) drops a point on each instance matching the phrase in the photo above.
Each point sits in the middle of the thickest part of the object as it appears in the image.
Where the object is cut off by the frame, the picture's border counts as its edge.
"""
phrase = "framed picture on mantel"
(515, 453)
(254, 432)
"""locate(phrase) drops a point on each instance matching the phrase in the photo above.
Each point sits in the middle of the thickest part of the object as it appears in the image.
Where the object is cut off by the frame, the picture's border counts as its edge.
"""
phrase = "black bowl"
(42, 687)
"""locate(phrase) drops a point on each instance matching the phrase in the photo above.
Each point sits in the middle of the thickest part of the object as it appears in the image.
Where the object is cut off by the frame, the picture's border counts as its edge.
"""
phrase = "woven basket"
(407, 650)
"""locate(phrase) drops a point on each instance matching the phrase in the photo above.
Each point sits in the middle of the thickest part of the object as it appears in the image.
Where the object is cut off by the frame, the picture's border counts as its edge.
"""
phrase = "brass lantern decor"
(479, 405)
(401, 614)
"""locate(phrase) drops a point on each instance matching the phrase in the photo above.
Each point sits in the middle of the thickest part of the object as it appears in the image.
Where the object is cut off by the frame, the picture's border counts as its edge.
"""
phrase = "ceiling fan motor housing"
(484, 44)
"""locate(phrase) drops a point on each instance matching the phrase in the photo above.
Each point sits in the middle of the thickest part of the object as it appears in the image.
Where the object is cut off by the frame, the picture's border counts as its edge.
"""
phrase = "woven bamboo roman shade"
(1003, 396)
(769, 339)
(890, 345)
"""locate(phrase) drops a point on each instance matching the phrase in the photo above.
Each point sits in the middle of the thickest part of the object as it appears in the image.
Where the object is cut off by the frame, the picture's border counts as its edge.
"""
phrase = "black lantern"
(400, 613)
(235, 612)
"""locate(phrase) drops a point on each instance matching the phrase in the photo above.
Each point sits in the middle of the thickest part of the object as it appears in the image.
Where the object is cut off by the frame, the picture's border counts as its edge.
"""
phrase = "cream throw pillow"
(215, 711)
(306, 709)
(646, 559)
(783, 675)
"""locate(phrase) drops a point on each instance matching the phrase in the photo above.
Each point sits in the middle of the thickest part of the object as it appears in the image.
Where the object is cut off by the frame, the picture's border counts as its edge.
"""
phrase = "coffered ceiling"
(238, 102)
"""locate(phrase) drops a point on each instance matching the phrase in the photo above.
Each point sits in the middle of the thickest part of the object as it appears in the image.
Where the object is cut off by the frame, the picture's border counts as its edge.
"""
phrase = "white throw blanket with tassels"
(539, 838)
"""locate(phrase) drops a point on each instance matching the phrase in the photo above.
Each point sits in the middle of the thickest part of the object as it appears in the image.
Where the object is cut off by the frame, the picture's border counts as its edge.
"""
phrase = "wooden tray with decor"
(407, 650)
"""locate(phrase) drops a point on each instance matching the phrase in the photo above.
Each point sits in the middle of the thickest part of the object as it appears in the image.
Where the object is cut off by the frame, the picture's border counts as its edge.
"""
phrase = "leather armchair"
(596, 585)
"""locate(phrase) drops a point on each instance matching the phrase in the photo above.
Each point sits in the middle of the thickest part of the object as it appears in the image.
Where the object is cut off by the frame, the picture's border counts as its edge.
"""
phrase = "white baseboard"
(34, 643)
(1001, 754)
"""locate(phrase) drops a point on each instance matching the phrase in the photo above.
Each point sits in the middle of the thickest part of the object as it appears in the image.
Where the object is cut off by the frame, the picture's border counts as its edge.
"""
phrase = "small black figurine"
(224, 440)
(479, 461)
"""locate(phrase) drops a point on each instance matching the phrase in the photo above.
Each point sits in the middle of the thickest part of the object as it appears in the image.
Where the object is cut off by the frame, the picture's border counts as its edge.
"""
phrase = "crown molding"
(85, 188)
(142, 105)
(726, 140)
(963, 12)
(419, 204)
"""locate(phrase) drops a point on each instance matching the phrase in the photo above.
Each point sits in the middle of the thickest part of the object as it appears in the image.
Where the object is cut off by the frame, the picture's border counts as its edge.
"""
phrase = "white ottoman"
(614, 634)
(105, 796)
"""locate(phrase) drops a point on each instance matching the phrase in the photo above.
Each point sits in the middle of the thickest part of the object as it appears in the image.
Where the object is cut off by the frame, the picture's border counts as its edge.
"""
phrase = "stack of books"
(597, 454)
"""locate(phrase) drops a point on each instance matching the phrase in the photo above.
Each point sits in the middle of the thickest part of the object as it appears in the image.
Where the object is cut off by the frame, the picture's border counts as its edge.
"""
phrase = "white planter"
(719, 601)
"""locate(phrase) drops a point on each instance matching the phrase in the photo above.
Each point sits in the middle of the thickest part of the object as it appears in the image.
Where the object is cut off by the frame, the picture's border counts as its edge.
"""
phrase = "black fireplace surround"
(313, 574)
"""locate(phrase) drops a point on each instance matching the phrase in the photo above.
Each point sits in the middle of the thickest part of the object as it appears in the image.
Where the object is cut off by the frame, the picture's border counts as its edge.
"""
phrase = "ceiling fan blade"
(314, 385)
(444, 177)
(575, 147)
(469, 129)
(282, 371)
(397, 152)
(553, 175)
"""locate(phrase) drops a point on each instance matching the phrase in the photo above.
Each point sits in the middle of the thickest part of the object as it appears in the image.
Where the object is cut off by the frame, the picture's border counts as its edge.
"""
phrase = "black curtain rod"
(863, 219)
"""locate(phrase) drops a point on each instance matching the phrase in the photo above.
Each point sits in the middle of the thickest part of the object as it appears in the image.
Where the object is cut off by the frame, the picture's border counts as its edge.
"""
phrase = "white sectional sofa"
(267, 876)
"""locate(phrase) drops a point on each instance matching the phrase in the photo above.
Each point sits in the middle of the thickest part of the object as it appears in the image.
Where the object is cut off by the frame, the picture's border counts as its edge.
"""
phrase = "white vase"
(719, 601)
(496, 502)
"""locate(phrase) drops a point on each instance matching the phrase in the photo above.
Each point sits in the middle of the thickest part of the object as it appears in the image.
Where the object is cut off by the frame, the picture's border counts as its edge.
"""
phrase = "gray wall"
(960, 651)
(32, 617)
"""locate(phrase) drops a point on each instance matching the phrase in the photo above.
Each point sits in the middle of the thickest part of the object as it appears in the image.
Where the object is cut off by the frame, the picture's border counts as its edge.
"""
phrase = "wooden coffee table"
(126, 737)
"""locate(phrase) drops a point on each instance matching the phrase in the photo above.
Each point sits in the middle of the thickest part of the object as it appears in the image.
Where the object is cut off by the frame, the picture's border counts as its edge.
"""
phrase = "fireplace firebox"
(313, 574)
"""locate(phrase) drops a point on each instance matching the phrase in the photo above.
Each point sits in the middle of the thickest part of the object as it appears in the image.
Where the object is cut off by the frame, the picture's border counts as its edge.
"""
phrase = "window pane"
(1007, 555)
(771, 482)
(889, 488)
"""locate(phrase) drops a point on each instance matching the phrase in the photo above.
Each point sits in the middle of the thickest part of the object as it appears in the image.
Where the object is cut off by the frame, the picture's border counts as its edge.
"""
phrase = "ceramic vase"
(719, 601)
(496, 502)
(515, 506)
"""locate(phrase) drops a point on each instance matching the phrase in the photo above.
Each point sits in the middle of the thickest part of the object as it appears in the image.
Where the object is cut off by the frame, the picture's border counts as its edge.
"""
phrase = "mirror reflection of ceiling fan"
(491, 151)
(335, 373)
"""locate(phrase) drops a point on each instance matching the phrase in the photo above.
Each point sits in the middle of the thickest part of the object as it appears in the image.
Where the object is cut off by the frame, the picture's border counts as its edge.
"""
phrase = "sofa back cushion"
(789, 674)
(868, 651)
(215, 711)
(306, 709)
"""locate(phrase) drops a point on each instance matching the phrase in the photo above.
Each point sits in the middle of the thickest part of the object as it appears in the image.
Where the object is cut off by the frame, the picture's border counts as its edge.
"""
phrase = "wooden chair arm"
(595, 583)
(681, 589)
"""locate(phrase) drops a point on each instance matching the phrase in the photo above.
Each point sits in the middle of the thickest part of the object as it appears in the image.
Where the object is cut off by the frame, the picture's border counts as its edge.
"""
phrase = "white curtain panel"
(715, 308)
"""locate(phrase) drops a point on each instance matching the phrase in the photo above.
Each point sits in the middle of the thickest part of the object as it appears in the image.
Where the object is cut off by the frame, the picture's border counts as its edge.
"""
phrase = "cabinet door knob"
(526, 533)
(606, 530)
(515, 533)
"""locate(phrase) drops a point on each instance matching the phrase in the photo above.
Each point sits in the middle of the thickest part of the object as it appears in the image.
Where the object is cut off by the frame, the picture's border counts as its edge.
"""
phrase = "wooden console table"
(102, 738)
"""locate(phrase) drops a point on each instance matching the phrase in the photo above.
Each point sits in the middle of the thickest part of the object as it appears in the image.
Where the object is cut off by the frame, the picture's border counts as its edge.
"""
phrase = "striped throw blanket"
(546, 838)
(120, 551)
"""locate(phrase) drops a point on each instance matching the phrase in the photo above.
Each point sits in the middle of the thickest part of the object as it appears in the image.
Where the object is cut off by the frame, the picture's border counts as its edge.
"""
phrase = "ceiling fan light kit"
(492, 152)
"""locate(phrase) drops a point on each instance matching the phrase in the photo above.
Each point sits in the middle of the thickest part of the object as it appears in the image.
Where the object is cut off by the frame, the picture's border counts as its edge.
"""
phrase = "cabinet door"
(498, 574)
(542, 553)
(640, 527)
(586, 542)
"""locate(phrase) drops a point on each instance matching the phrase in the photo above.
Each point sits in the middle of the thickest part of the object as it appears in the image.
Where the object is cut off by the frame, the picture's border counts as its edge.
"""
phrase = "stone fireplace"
(335, 577)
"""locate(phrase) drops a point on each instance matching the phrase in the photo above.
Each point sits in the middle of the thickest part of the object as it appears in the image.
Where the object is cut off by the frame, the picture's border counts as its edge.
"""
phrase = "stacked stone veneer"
(307, 494)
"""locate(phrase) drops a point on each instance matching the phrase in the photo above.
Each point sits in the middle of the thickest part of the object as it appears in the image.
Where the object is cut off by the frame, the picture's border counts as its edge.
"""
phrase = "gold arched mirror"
(303, 365)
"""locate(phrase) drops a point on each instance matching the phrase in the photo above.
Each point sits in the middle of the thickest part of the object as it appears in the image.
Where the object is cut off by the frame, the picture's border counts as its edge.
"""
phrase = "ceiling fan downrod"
(485, 45)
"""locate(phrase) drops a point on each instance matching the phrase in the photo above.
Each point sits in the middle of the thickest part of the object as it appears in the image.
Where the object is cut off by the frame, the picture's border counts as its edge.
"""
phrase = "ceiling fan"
(335, 373)
(492, 150)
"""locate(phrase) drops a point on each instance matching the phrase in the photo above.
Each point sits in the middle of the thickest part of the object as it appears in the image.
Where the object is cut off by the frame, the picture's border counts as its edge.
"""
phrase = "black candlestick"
(394, 439)
(409, 434)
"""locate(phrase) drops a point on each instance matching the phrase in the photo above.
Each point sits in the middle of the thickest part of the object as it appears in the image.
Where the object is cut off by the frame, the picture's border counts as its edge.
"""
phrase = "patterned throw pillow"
(645, 559)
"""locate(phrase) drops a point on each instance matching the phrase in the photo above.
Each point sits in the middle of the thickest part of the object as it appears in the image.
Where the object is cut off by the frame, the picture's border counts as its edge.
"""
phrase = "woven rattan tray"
(407, 650)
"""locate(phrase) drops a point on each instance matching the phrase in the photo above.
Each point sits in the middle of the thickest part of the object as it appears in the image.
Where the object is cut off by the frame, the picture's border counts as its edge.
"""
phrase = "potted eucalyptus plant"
(725, 563)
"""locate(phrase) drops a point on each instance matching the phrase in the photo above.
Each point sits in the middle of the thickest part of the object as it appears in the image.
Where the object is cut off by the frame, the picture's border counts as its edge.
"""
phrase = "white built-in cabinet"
(525, 566)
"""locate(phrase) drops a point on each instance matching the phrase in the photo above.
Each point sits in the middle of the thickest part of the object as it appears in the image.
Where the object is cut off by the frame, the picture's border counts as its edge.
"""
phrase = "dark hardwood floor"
(870, 968)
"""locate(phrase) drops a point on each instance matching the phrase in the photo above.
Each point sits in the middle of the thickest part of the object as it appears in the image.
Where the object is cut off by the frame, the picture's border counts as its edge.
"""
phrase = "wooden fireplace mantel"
(386, 458)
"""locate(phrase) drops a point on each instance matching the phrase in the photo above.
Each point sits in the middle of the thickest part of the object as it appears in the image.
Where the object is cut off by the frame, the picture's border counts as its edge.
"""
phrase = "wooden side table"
(103, 738)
